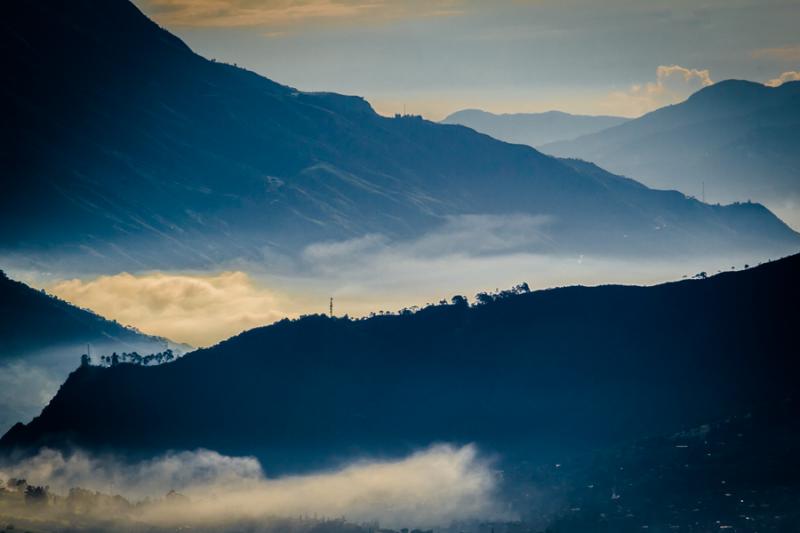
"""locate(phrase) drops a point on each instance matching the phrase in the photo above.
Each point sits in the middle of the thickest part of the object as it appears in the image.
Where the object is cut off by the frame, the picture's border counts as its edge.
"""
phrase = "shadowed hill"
(42, 339)
(32, 320)
(123, 144)
(740, 473)
(527, 375)
(740, 138)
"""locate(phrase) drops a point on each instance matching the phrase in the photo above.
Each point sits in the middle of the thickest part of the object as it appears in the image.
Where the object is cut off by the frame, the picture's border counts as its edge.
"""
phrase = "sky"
(622, 57)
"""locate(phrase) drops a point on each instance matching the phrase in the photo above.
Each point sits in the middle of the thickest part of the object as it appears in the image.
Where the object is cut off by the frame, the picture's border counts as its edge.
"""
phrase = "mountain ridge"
(148, 154)
(32, 320)
(548, 372)
(738, 140)
(533, 129)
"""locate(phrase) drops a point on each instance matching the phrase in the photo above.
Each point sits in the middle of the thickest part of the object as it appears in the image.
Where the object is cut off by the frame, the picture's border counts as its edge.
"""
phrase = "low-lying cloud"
(198, 309)
(465, 255)
(429, 488)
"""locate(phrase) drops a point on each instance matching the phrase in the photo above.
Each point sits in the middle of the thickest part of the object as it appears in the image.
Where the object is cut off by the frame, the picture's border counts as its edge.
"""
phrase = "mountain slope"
(125, 145)
(533, 129)
(540, 374)
(740, 473)
(32, 320)
(41, 342)
(741, 139)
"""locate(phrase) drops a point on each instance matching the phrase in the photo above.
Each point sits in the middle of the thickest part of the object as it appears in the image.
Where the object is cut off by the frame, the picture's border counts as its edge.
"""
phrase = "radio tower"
(331, 307)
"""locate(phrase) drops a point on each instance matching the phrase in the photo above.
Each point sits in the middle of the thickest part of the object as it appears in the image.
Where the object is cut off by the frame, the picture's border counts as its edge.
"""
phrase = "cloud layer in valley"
(466, 255)
(429, 488)
(198, 309)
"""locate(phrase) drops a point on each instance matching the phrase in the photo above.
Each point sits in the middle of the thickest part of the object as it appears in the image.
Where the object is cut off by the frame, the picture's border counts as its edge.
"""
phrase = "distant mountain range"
(533, 129)
(737, 139)
(530, 375)
(123, 149)
(41, 341)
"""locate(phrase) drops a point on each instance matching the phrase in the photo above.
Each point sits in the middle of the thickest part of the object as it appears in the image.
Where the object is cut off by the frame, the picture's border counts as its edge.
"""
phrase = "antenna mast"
(331, 307)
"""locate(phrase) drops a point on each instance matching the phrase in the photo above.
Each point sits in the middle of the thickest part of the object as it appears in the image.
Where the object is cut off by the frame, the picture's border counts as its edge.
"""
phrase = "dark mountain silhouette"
(41, 340)
(32, 320)
(529, 375)
(740, 473)
(122, 148)
(741, 138)
(533, 129)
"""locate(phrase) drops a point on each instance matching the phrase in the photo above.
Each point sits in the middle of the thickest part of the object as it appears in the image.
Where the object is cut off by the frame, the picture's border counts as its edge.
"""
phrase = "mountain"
(533, 129)
(738, 473)
(32, 320)
(740, 139)
(123, 149)
(528, 375)
(41, 341)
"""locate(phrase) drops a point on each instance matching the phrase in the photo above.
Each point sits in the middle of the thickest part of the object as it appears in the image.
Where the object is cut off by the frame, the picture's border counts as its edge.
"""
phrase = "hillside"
(31, 320)
(739, 473)
(124, 149)
(41, 342)
(741, 139)
(533, 129)
(537, 374)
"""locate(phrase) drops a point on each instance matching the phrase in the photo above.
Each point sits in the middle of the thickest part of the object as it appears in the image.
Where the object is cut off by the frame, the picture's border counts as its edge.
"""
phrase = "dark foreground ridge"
(546, 372)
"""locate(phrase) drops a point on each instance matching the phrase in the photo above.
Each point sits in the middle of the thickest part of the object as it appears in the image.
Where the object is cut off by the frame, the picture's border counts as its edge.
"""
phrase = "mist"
(30, 379)
(465, 255)
(432, 487)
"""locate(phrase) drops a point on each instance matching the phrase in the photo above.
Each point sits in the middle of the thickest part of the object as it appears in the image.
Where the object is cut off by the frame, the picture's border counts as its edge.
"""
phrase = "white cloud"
(783, 78)
(429, 488)
(673, 84)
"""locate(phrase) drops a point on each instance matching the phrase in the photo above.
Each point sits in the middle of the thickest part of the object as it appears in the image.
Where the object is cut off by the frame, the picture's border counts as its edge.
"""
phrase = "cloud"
(783, 78)
(465, 255)
(469, 254)
(196, 309)
(283, 13)
(431, 487)
(673, 84)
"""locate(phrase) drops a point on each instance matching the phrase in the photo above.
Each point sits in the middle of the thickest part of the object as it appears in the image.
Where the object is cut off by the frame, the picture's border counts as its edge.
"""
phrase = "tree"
(484, 298)
(36, 495)
(459, 300)
(86, 360)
